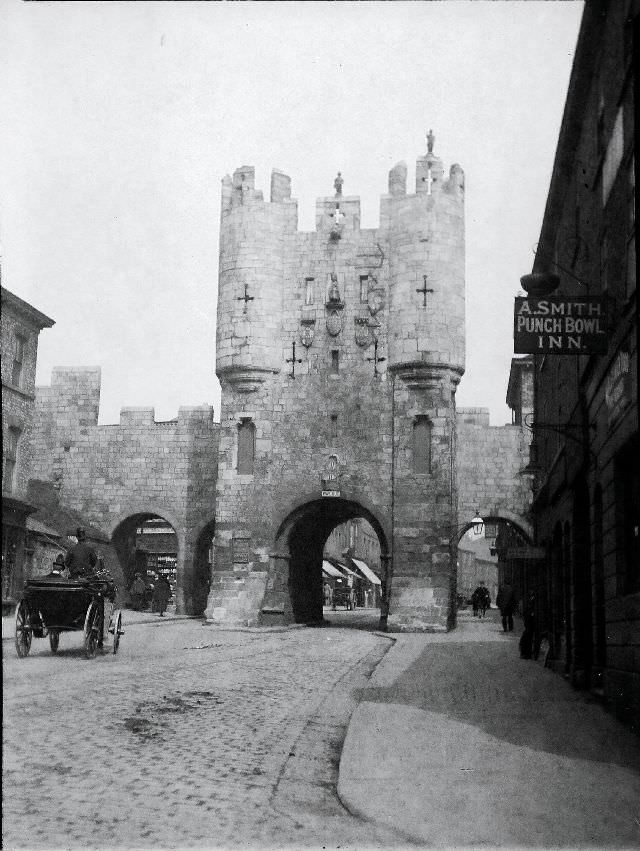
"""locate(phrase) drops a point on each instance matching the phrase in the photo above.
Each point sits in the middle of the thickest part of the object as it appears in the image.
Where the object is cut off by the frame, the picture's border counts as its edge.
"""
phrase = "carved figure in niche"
(334, 292)
(338, 184)
(430, 140)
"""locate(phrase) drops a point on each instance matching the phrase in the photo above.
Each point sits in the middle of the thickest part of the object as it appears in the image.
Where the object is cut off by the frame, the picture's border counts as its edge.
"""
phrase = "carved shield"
(375, 301)
(307, 332)
(363, 336)
(334, 322)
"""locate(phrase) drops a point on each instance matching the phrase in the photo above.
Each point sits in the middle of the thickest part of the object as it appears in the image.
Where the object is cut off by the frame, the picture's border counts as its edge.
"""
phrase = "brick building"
(585, 448)
(21, 326)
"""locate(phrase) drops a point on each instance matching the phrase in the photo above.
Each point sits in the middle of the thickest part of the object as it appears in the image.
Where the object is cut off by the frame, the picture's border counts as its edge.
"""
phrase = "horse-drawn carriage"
(52, 604)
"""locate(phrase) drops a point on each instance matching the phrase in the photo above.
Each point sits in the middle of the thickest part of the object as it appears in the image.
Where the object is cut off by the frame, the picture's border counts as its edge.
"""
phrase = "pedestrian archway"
(300, 542)
(147, 543)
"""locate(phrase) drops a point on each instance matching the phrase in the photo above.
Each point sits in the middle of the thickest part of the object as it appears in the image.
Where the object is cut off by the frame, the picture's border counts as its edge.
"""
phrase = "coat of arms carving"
(307, 332)
(334, 307)
(375, 296)
(363, 334)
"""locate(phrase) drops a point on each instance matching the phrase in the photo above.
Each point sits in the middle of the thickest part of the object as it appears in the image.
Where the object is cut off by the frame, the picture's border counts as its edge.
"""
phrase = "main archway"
(300, 540)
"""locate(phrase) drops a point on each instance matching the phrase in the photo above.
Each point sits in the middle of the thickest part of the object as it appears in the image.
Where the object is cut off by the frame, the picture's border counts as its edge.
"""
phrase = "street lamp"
(478, 524)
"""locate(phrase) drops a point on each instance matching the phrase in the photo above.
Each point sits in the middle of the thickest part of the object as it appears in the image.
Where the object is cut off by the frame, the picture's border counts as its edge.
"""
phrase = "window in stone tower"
(335, 361)
(364, 287)
(308, 290)
(334, 426)
(246, 447)
(422, 445)
(19, 345)
(10, 457)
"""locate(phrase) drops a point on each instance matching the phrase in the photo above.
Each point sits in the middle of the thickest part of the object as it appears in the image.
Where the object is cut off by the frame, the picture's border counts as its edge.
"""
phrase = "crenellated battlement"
(239, 192)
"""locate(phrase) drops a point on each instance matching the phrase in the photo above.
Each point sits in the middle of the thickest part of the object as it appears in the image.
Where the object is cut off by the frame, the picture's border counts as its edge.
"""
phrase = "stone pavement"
(191, 736)
(473, 746)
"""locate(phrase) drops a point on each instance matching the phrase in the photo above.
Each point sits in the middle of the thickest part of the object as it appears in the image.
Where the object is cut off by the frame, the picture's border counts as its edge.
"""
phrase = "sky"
(120, 119)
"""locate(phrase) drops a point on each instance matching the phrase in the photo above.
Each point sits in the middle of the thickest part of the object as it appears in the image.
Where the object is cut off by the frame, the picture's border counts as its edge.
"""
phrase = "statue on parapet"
(430, 140)
(338, 184)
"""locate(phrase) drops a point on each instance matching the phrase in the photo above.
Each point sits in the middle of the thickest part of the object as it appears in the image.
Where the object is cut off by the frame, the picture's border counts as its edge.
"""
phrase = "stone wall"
(489, 462)
(115, 473)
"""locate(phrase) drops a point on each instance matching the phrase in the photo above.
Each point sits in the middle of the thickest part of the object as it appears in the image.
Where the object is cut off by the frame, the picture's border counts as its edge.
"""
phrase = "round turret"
(252, 233)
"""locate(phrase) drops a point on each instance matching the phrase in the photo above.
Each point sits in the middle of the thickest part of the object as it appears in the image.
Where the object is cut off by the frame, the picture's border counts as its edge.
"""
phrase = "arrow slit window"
(308, 290)
(246, 447)
(422, 429)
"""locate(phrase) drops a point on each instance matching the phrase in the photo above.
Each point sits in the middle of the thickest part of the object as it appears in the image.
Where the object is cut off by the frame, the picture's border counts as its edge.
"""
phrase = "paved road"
(191, 736)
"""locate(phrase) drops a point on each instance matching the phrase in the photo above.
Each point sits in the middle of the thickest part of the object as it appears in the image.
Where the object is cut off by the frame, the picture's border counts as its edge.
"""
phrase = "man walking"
(506, 602)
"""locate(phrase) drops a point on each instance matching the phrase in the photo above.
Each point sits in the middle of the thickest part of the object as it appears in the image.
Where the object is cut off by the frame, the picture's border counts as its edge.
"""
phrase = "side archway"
(149, 541)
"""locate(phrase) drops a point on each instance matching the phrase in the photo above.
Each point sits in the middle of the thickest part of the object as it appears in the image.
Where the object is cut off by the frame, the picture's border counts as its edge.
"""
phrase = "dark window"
(422, 445)
(18, 359)
(334, 425)
(10, 457)
(335, 361)
(246, 447)
(627, 479)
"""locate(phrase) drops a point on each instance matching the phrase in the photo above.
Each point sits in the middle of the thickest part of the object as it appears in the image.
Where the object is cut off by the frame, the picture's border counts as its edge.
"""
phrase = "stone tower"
(339, 352)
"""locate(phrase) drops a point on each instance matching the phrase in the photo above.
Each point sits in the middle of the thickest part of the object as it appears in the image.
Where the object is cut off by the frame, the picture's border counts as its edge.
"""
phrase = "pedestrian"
(81, 558)
(506, 602)
(161, 594)
(138, 590)
(58, 568)
(528, 638)
(480, 600)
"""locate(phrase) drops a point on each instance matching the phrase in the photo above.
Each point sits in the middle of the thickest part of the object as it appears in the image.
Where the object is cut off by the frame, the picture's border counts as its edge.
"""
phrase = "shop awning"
(366, 570)
(330, 570)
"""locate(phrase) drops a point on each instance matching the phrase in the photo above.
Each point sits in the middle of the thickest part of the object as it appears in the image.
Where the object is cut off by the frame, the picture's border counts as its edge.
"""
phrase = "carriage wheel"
(54, 640)
(23, 630)
(91, 630)
(117, 631)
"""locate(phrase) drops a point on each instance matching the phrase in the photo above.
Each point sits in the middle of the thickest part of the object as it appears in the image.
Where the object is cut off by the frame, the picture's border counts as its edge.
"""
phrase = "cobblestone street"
(190, 736)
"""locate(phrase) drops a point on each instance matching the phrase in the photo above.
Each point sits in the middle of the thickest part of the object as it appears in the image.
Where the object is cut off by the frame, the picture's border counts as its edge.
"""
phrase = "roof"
(26, 310)
(50, 513)
(366, 570)
(35, 525)
(330, 570)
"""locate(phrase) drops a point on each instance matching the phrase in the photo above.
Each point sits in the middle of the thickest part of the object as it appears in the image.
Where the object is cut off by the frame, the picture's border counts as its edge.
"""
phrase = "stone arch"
(523, 526)
(202, 565)
(298, 546)
(122, 533)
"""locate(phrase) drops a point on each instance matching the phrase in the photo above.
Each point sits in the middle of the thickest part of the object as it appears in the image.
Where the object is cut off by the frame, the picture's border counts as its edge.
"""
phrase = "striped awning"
(330, 570)
(366, 570)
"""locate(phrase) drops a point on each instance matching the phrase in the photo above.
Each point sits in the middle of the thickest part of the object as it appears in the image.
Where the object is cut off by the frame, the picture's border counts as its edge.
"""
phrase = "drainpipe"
(389, 559)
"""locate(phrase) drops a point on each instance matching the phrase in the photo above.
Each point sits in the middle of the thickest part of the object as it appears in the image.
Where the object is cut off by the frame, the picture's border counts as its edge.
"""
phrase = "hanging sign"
(560, 326)
(526, 552)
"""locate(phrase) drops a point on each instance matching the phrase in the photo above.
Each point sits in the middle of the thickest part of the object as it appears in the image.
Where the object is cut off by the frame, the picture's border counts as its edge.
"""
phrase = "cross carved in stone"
(293, 360)
(246, 298)
(428, 180)
(375, 360)
(424, 290)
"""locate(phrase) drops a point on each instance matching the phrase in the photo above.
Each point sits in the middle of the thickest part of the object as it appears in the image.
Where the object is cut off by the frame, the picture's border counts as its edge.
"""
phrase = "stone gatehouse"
(339, 352)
